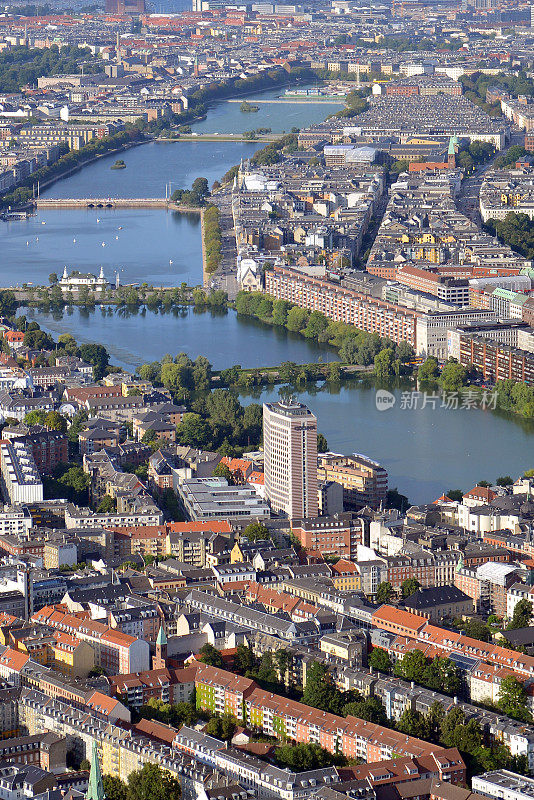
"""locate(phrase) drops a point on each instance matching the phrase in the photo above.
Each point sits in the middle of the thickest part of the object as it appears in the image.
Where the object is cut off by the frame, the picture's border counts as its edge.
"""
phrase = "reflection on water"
(135, 337)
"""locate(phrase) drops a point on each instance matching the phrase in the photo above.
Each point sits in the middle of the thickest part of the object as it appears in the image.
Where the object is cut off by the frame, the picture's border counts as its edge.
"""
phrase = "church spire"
(95, 789)
(159, 660)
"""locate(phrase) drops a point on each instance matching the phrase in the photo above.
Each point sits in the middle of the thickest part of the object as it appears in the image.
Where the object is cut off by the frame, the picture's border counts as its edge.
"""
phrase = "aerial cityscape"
(267, 400)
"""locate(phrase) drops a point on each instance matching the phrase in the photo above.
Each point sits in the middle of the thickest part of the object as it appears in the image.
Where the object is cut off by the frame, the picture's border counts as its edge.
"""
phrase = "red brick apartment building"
(497, 361)
(341, 304)
(329, 535)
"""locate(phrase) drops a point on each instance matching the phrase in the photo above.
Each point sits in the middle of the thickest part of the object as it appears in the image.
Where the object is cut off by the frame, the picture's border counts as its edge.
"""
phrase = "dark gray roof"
(521, 636)
(436, 596)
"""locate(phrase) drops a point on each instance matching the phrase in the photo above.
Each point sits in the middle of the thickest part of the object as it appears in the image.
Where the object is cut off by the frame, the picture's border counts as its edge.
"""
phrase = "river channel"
(426, 451)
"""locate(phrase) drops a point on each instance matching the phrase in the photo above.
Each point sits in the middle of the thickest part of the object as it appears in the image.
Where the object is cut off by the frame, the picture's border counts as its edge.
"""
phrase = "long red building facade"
(340, 304)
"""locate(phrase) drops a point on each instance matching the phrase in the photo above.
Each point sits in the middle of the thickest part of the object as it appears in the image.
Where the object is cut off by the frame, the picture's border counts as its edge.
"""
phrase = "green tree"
(450, 725)
(320, 690)
(283, 659)
(371, 709)
(107, 505)
(297, 319)
(256, 531)
(98, 356)
(222, 727)
(409, 587)
(322, 444)
(333, 374)
(8, 304)
(384, 364)
(193, 431)
(67, 342)
(442, 674)
(505, 480)
(380, 660)
(428, 370)
(153, 783)
(35, 417)
(223, 471)
(202, 373)
(76, 426)
(384, 592)
(55, 421)
(412, 723)
(394, 499)
(210, 655)
(244, 659)
(453, 376)
(411, 666)
(37, 340)
(267, 673)
(455, 494)
(521, 616)
(114, 788)
(433, 722)
(513, 699)
(73, 483)
(303, 757)
(476, 629)
(317, 323)
(280, 311)
(404, 352)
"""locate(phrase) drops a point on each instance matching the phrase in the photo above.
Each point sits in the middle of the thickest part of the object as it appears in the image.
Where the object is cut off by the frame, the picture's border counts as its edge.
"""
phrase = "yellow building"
(71, 656)
(237, 555)
(346, 576)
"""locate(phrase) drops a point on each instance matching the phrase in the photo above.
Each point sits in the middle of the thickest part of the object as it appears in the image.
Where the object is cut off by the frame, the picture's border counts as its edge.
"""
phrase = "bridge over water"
(102, 202)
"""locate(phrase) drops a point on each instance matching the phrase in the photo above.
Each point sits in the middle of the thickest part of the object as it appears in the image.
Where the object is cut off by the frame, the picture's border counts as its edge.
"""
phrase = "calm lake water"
(227, 117)
(151, 245)
(150, 166)
(426, 452)
(154, 245)
(224, 338)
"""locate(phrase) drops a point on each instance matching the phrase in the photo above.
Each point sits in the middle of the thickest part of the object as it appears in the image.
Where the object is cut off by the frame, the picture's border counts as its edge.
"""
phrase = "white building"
(15, 520)
(21, 482)
(431, 330)
(290, 447)
(504, 785)
(212, 498)
(83, 280)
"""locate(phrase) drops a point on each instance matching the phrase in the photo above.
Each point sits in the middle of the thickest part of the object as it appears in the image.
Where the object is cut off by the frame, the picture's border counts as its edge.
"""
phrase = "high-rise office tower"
(290, 458)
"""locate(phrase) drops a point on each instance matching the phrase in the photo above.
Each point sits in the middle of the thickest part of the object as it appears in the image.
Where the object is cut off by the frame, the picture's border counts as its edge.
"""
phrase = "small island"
(119, 164)
(248, 107)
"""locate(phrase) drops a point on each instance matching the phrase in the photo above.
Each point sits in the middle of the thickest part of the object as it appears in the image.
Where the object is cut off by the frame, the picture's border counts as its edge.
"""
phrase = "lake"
(223, 337)
(154, 245)
(426, 452)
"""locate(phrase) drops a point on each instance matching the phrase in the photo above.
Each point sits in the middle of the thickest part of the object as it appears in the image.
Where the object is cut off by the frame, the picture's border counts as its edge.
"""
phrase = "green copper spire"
(162, 639)
(95, 790)
(453, 141)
